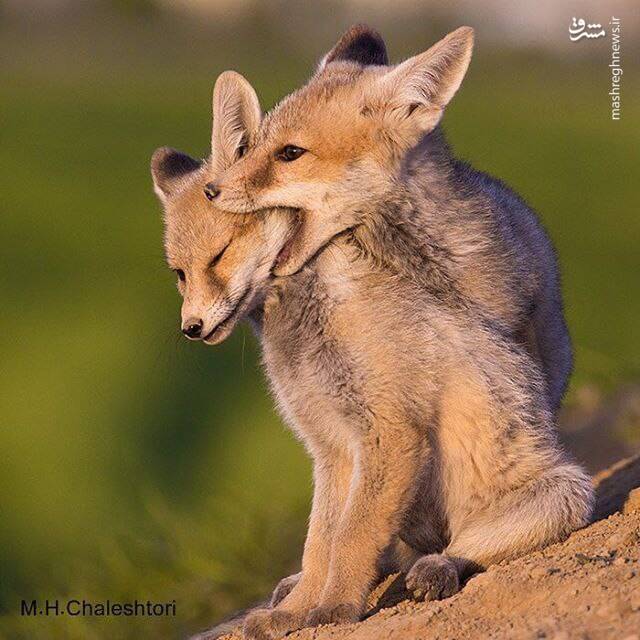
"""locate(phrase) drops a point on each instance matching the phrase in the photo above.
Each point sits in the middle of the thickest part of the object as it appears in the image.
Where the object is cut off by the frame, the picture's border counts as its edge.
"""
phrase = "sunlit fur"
(373, 141)
(196, 232)
(429, 430)
(392, 355)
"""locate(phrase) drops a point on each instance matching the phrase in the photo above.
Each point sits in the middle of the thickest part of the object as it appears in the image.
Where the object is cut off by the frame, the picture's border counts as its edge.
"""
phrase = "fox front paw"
(433, 577)
(271, 624)
(284, 588)
(339, 614)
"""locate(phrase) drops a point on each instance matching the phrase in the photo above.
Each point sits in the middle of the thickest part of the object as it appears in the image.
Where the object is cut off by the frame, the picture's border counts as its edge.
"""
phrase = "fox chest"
(311, 362)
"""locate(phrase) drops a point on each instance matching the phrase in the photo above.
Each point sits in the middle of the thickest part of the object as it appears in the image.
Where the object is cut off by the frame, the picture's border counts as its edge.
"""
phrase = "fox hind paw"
(433, 577)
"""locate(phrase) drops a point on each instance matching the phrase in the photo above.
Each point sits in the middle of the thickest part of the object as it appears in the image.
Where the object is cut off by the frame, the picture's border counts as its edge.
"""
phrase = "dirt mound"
(587, 587)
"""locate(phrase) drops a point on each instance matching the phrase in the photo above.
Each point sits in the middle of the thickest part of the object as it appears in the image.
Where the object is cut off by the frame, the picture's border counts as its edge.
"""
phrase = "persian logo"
(580, 29)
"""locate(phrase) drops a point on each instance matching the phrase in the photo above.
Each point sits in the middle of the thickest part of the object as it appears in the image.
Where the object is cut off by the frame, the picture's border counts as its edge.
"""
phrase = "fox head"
(222, 260)
(336, 144)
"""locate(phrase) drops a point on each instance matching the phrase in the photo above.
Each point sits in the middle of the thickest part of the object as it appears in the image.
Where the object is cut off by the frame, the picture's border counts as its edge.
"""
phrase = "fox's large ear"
(360, 44)
(414, 94)
(236, 118)
(170, 169)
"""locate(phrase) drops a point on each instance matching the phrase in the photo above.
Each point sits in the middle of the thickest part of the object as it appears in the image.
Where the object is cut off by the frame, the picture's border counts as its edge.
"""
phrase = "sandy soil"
(587, 587)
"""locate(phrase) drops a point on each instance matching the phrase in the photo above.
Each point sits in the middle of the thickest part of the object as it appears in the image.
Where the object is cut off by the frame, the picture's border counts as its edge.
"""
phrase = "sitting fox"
(428, 413)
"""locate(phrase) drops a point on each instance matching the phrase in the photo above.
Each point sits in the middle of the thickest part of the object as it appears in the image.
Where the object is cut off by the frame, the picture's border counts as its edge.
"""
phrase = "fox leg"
(397, 557)
(543, 511)
(332, 474)
(423, 532)
(382, 486)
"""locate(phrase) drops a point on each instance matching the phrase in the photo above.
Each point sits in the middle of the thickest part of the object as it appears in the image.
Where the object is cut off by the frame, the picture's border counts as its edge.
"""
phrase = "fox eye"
(290, 153)
(211, 191)
(180, 274)
(242, 149)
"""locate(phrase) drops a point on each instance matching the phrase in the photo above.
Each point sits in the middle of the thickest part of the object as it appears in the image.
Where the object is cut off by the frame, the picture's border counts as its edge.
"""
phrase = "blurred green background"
(137, 465)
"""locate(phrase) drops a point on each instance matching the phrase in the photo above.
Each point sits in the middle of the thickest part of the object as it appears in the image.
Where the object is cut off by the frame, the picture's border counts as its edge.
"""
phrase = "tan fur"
(364, 127)
(346, 114)
(193, 238)
(428, 425)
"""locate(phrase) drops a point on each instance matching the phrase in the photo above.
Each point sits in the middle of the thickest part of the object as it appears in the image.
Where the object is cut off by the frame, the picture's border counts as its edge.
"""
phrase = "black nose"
(192, 328)
(211, 190)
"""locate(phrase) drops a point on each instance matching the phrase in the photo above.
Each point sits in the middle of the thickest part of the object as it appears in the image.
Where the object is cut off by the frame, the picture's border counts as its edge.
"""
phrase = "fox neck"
(431, 158)
(399, 228)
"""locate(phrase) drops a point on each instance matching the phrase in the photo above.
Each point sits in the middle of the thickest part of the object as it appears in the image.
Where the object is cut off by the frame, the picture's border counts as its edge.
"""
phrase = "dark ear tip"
(360, 43)
(362, 30)
(168, 166)
(159, 156)
(168, 163)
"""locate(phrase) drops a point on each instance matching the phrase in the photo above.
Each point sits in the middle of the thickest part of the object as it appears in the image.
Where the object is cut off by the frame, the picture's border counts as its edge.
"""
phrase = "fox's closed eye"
(290, 152)
(217, 257)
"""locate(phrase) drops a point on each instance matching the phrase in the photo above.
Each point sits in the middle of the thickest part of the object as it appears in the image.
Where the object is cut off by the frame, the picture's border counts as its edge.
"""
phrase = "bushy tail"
(542, 512)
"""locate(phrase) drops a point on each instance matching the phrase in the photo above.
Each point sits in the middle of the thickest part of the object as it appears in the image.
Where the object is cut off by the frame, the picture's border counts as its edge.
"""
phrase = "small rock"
(615, 541)
(538, 572)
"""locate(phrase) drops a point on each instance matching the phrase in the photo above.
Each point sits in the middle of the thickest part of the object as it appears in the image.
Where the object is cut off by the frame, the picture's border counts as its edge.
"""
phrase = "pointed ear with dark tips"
(236, 118)
(360, 44)
(415, 93)
(170, 169)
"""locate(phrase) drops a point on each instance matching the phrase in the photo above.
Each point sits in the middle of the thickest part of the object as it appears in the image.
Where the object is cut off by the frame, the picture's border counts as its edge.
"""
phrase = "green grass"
(136, 465)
